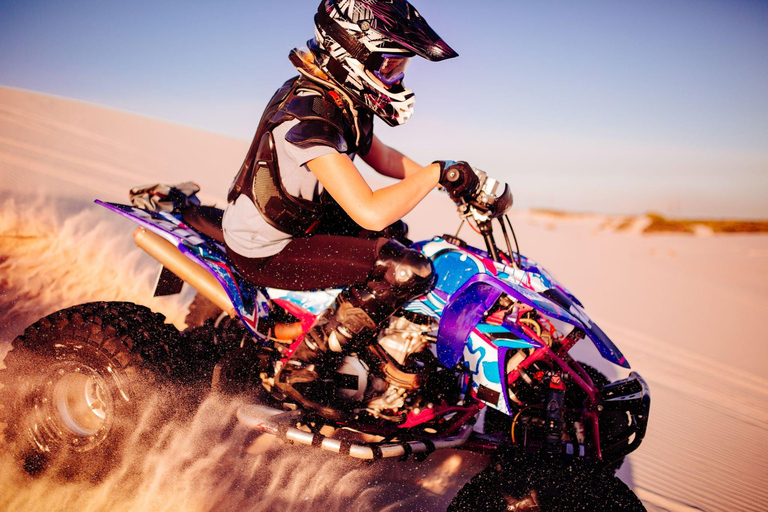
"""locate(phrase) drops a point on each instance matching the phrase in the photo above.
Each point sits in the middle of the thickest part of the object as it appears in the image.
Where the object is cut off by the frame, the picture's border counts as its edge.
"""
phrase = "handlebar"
(491, 199)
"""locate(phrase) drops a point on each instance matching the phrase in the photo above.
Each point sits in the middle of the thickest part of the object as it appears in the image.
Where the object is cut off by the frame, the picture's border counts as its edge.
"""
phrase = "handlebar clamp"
(493, 198)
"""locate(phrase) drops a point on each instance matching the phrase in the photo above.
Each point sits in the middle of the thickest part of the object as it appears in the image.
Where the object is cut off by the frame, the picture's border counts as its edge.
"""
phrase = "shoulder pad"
(309, 107)
(282, 93)
(315, 131)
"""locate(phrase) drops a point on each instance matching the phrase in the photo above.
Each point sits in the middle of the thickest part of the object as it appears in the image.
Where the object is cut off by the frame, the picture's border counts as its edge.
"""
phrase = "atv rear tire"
(74, 382)
(211, 336)
(525, 486)
(202, 310)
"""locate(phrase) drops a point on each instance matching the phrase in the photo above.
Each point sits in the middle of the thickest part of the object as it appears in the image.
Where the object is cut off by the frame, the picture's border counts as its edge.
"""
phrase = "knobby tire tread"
(135, 341)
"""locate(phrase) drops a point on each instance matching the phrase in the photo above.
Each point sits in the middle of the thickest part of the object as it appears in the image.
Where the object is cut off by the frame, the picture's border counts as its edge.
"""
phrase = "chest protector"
(325, 119)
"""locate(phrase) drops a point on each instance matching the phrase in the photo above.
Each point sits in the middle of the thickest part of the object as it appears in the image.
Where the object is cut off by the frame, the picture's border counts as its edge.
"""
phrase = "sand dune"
(687, 312)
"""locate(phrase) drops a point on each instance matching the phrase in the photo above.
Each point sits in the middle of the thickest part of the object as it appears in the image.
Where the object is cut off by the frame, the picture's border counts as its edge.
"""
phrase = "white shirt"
(245, 230)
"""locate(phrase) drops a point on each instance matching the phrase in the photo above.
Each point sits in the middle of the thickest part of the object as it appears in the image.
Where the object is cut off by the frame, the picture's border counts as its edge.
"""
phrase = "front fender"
(469, 303)
(463, 312)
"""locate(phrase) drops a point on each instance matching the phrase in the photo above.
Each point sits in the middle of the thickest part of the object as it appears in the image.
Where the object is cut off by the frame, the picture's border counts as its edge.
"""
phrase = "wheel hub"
(79, 400)
(76, 407)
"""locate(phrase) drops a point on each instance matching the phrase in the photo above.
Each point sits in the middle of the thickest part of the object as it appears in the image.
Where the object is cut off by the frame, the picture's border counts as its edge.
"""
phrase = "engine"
(389, 379)
(403, 337)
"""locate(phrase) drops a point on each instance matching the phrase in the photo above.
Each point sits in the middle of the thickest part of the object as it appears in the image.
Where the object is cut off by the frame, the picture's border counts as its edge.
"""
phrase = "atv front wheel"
(74, 381)
(538, 486)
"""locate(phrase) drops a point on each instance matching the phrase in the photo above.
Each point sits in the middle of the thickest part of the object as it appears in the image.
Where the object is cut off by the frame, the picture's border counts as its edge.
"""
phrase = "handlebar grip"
(459, 179)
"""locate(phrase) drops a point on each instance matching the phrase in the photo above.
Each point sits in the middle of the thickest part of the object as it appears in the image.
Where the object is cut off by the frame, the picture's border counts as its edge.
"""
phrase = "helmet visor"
(391, 68)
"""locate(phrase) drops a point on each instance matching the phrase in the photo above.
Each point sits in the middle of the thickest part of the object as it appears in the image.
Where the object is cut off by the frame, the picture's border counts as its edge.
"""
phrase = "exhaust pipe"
(186, 269)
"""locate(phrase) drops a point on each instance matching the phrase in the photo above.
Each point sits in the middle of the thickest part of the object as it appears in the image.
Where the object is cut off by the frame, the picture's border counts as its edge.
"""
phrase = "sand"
(687, 311)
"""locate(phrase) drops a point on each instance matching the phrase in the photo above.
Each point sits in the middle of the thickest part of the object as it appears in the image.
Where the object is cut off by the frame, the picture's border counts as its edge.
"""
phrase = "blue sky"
(607, 106)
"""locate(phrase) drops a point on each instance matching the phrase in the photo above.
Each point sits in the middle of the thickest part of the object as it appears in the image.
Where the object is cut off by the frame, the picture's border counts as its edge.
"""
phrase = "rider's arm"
(372, 210)
(389, 161)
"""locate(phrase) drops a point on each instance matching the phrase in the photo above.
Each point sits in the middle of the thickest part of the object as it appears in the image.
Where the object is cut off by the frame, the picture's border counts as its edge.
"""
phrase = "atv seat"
(205, 219)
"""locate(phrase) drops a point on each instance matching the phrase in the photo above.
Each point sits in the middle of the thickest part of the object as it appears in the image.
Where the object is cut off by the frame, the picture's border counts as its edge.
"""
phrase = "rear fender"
(249, 301)
(162, 224)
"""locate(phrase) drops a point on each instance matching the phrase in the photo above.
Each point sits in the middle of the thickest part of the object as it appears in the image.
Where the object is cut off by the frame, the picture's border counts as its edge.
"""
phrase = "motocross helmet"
(364, 46)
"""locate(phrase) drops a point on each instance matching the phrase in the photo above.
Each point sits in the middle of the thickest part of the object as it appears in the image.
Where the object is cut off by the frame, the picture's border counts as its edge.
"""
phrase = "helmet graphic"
(364, 46)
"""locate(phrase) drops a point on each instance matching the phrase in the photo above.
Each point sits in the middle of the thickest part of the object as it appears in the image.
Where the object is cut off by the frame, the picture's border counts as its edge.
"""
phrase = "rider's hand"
(458, 178)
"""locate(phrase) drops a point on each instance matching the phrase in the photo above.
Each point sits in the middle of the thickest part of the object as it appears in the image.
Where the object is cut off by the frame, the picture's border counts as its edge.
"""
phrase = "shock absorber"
(555, 414)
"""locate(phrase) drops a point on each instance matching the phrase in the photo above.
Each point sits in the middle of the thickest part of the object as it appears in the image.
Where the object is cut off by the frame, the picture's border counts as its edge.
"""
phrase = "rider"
(301, 216)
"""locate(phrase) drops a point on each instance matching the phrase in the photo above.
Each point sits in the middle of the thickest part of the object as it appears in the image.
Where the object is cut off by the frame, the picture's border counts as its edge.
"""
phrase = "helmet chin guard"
(364, 47)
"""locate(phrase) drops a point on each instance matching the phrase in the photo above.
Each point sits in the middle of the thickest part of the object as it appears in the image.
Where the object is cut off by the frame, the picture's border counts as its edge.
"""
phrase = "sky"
(603, 106)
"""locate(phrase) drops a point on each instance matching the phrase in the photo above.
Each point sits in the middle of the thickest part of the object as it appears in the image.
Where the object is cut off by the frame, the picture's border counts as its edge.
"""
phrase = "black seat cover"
(205, 219)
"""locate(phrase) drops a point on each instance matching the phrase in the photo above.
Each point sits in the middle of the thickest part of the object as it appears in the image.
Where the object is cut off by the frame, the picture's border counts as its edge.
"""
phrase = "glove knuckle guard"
(457, 178)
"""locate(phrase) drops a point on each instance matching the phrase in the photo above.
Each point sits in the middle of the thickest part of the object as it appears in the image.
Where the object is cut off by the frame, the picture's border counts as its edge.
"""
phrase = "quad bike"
(481, 362)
